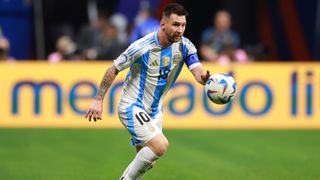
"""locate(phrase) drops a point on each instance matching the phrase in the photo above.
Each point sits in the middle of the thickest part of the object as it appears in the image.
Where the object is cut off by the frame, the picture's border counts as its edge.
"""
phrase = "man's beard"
(172, 39)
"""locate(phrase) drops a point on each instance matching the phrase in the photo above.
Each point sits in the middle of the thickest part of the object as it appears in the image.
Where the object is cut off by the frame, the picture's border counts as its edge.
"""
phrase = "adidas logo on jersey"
(154, 63)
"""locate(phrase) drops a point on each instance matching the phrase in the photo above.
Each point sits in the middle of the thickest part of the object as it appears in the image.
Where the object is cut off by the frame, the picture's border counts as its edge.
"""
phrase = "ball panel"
(221, 88)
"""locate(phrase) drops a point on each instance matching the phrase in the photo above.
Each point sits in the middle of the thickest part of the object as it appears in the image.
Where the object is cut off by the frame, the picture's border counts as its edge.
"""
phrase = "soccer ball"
(220, 88)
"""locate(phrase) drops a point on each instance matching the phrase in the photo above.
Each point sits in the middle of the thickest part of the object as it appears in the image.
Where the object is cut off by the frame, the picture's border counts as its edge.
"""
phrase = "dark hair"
(174, 8)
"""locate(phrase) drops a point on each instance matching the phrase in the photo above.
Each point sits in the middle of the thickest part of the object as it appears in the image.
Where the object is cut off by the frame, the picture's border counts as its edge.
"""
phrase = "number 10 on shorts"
(142, 117)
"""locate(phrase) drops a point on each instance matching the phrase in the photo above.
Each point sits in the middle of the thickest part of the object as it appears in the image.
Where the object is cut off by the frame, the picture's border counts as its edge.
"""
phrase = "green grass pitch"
(58, 154)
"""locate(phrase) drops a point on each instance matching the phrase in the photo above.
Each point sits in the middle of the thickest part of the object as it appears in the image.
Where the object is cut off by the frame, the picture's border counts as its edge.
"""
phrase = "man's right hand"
(95, 110)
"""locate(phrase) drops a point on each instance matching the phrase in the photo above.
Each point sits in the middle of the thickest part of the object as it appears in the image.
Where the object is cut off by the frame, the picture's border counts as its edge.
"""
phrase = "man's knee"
(159, 144)
(162, 147)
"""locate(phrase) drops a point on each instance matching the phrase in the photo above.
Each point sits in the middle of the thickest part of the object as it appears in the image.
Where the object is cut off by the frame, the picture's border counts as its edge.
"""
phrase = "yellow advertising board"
(270, 96)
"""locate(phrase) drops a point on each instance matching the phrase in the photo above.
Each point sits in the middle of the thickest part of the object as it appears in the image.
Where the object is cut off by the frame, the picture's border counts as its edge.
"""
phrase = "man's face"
(174, 27)
(222, 21)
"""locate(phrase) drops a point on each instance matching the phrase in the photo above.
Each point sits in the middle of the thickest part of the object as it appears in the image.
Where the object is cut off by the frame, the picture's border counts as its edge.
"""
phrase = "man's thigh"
(140, 124)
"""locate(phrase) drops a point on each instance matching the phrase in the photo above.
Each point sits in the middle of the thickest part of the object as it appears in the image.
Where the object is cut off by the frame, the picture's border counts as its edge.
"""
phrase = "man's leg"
(138, 148)
(154, 149)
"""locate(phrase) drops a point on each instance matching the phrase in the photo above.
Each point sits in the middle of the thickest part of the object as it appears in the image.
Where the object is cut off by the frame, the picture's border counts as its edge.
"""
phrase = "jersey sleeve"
(123, 61)
(190, 54)
(133, 52)
(127, 58)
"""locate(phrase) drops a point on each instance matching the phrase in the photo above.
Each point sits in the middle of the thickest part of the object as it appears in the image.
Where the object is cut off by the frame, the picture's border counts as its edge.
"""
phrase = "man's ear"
(162, 22)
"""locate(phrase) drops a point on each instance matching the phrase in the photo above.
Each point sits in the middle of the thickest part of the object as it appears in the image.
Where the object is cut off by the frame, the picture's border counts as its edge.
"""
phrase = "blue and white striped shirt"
(153, 70)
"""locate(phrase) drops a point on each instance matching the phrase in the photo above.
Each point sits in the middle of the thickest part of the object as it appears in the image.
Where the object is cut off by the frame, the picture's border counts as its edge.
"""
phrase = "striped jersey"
(153, 70)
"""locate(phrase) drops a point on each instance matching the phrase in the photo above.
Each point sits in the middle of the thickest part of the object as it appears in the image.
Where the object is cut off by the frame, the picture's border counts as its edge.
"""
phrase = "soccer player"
(155, 62)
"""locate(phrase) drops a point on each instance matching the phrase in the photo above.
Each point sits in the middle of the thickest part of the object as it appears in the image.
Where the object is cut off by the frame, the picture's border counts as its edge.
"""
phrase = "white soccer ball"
(220, 88)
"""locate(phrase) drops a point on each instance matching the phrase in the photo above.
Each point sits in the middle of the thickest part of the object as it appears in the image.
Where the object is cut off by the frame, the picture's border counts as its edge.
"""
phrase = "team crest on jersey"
(166, 61)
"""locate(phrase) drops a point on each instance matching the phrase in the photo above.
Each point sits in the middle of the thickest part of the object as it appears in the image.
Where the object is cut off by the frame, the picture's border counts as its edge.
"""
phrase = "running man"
(155, 62)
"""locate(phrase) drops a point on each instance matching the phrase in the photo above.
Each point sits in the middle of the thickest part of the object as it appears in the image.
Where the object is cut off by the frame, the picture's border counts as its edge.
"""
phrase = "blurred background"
(269, 30)
(269, 131)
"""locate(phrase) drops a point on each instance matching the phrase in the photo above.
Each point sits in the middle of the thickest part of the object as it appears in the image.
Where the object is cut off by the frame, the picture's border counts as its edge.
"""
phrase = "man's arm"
(107, 80)
(201, 74)
(95, 110)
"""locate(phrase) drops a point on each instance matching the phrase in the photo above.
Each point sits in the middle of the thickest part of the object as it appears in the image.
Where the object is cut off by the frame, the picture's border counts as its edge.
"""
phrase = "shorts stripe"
(130, 126)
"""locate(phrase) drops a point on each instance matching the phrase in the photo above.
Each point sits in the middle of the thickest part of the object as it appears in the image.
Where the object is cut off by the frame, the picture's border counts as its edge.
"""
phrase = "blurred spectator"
(89, 35)
(220, 43)
(109, 47)
(5, 49)
(66, 49)
(56, 30)
(145, 23)
(121, 22)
